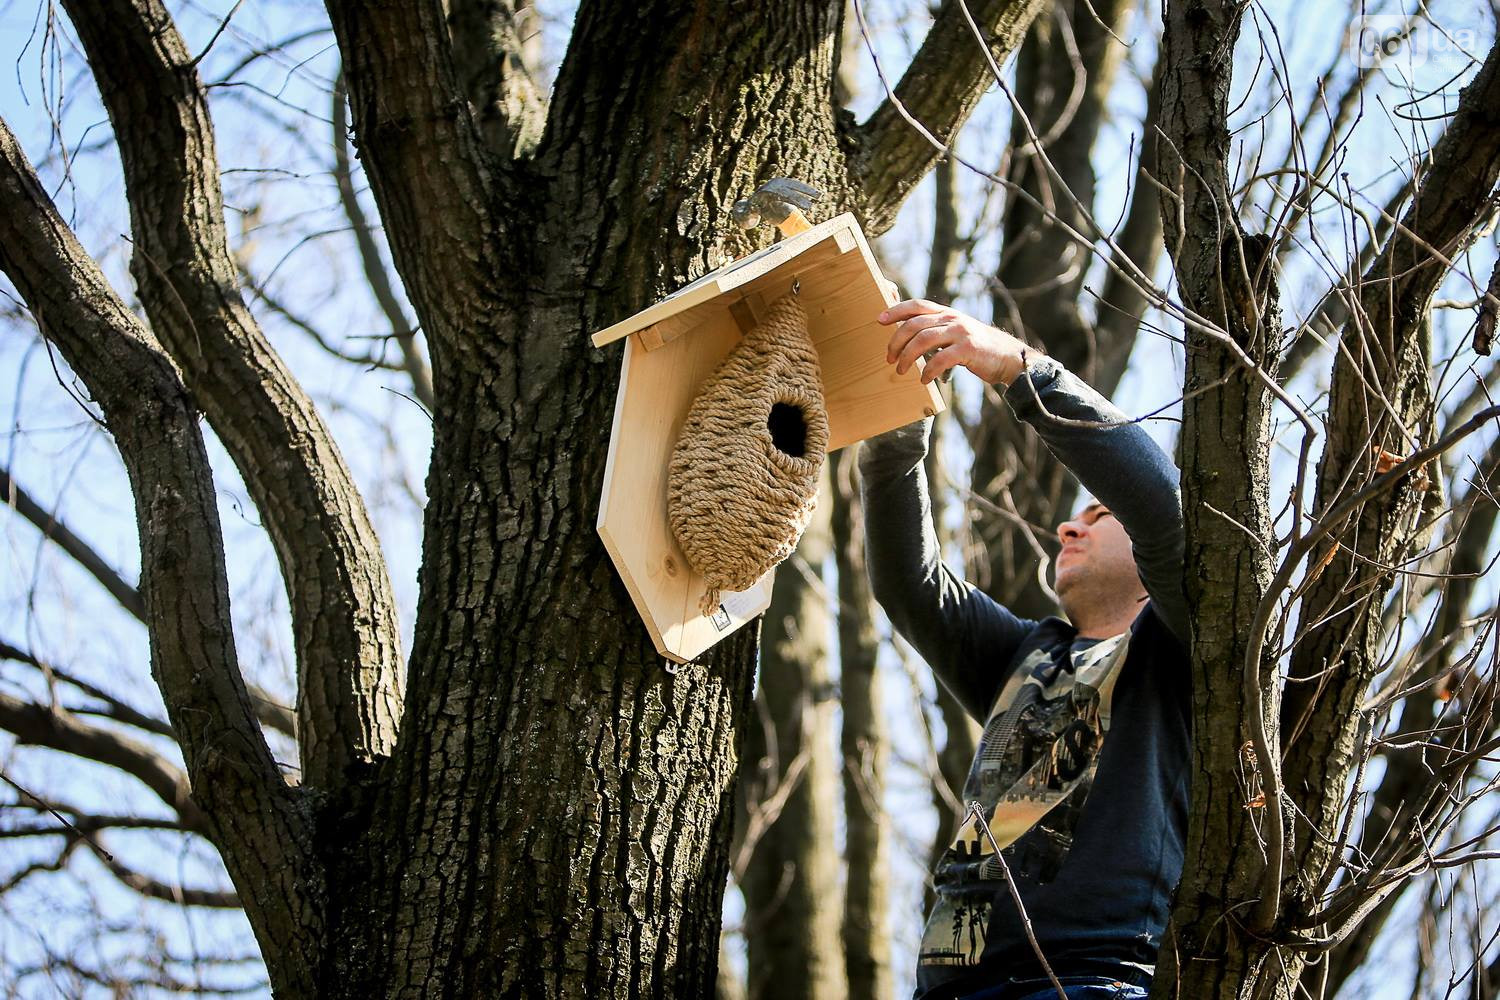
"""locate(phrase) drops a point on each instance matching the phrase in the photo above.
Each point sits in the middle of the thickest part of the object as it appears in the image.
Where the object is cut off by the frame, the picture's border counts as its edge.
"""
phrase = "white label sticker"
(742, 603)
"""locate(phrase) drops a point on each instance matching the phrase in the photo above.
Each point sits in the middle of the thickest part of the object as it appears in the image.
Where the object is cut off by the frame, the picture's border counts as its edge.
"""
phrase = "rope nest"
(743, 480)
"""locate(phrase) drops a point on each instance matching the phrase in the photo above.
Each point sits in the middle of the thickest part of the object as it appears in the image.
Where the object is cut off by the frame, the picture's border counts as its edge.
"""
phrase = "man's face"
(1095, 560)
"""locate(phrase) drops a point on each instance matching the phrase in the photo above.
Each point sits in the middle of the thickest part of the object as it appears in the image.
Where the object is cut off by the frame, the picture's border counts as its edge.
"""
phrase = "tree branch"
(1380, 403)
(941, 87)
(85, 822)
(1065, 74)
(1397, 806)
(436, 183)
(369, 256)
(116, 709)
(57, 532)
(58, 729)
(251, 815)
(156, 889)
(489, 51)
(268, 709)
(1121, 302)
(343, 612)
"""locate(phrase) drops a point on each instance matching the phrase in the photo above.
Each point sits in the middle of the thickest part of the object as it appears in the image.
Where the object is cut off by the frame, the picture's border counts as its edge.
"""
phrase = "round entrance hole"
(788, 427)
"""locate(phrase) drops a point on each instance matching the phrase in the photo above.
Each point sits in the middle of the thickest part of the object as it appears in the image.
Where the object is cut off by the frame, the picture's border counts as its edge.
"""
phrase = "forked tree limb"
(343, 612)
(252, 816)
(940, 89)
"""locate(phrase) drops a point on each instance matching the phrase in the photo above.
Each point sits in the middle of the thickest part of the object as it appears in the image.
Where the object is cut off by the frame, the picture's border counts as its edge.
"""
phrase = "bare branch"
(84, 822)
(369, 257)
(57, 729)
(156, 889)
(57, 532)
(1380, 405)
(1065, 74)
(343, 612)
(115, 708)
(1122, 302)
(268, 709)
(1403, 799)
(939, 90)
(260, 828)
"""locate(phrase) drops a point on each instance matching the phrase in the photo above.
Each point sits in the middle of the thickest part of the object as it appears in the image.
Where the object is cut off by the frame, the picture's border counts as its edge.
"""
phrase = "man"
(1081, 777)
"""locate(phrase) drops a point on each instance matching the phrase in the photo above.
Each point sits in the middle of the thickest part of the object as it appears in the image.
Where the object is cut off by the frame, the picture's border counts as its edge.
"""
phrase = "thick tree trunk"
(545, 746)
(791, 885)
(552, 818)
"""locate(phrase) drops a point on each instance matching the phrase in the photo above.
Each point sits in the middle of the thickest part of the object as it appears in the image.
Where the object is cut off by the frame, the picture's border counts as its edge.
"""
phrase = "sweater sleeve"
(964, 635)
(1118, 462)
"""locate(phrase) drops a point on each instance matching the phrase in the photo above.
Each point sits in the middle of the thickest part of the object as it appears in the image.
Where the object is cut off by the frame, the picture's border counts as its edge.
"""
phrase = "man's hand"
(959, 339)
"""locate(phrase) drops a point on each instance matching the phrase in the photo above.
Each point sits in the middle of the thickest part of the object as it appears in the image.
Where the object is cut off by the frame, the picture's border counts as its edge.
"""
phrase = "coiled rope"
(743, 479)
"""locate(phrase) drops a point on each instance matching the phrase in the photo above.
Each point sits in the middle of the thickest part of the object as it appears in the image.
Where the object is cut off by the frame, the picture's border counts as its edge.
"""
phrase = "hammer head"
(774, 201)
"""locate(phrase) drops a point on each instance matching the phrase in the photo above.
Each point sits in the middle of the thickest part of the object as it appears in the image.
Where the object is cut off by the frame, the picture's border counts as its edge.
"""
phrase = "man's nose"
(1068, 531)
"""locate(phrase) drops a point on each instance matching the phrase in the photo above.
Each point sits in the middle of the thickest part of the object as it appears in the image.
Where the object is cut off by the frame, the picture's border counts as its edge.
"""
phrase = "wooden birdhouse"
(673, 346)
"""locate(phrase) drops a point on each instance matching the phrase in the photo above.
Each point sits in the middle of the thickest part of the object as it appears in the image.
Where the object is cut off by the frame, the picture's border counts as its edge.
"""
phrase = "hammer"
(779, 201)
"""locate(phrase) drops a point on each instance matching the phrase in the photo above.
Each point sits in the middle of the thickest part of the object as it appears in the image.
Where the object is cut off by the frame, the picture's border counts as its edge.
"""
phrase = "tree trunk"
(791, 885)
(865, 748)
(1212, 949)
(544, 745)
(552, 817)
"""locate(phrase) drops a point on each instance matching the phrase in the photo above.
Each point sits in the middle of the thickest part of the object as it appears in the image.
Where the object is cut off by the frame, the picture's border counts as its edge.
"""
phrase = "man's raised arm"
(1113, 457)
(962, 633)
(1118, 462)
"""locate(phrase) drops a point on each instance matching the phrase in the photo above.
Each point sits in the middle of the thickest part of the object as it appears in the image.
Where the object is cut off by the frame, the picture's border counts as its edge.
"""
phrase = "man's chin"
(1066, 582)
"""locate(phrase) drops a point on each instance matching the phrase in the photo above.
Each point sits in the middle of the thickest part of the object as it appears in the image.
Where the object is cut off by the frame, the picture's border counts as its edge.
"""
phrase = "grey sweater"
(1083, 767)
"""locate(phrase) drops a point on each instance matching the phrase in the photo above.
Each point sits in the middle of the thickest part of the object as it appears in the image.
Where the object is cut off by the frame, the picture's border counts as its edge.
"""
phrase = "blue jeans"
(1076, 988)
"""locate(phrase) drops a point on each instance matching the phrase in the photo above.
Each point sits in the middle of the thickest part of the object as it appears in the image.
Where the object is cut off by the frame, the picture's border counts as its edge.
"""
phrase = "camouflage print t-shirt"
(1032, 773)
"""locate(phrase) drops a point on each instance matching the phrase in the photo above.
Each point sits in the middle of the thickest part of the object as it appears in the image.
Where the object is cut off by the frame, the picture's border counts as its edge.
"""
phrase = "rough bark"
(489, 47)
(791, 886)
(865, 748)
(257, 821)
(1225, 278)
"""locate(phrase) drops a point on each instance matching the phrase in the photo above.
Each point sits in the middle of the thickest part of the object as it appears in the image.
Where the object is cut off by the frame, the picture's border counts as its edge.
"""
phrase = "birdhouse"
(672, 347)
